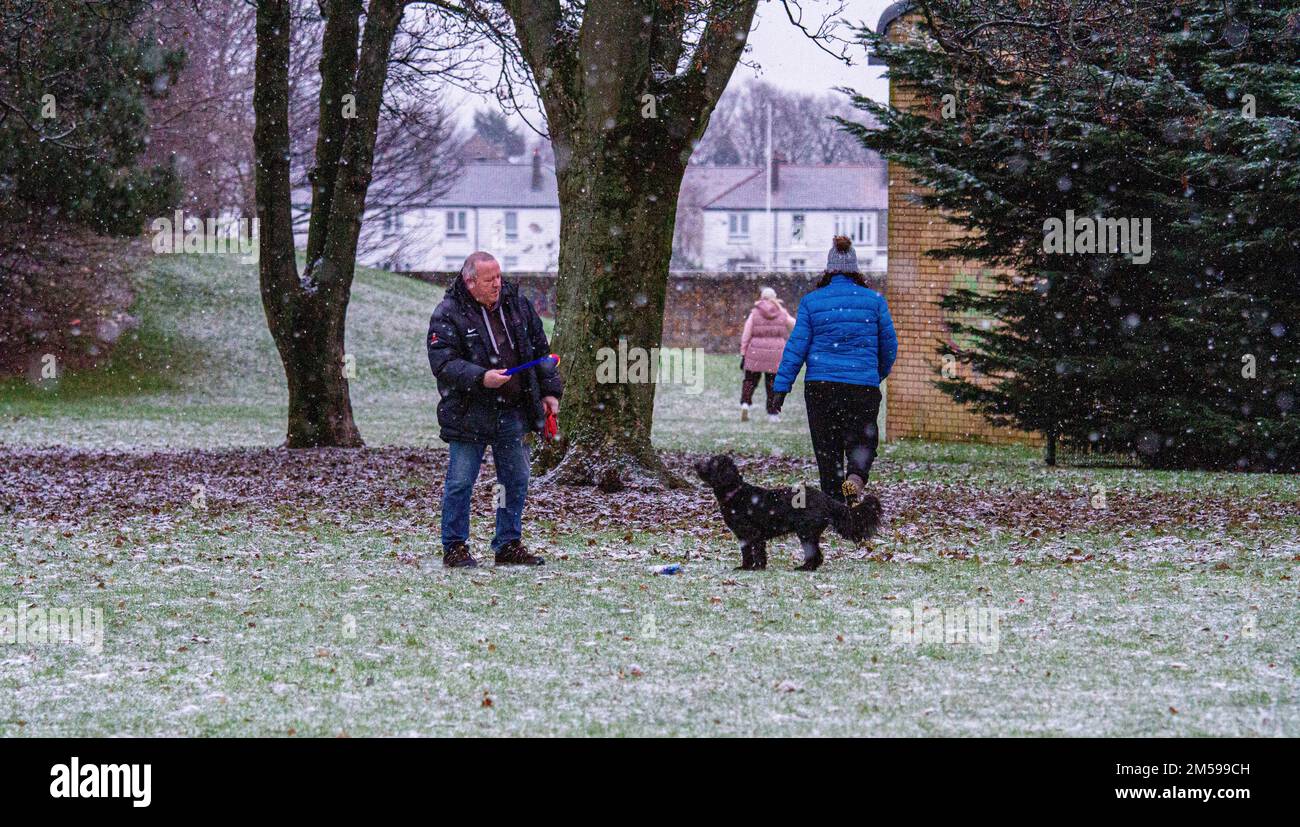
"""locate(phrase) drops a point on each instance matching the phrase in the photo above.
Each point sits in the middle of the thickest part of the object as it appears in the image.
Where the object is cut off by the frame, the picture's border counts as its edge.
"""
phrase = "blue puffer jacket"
(844, 333)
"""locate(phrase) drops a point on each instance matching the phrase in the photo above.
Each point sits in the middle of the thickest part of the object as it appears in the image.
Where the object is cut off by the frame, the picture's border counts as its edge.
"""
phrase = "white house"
(809, 205)
(513, 211)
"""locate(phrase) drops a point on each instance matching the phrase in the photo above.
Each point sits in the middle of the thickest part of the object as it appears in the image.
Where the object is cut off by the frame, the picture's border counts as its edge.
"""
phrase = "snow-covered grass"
(217, 630)
(1172, 611)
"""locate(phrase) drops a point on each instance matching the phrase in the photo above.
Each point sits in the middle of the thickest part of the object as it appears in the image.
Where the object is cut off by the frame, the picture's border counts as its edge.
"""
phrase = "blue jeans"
(510, 456)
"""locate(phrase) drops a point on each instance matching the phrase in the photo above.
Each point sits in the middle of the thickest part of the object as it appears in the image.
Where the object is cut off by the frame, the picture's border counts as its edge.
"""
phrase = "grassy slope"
(202, 370)
(591, 644)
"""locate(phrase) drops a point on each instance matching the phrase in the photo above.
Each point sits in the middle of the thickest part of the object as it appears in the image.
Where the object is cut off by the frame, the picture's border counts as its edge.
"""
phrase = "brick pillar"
(914, 285)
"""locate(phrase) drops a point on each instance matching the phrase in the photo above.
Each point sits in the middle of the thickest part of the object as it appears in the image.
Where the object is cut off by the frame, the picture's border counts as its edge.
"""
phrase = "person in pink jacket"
(761, 345)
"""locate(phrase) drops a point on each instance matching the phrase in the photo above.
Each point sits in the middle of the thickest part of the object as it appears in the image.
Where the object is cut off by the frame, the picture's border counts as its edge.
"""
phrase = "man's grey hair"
(469, 270)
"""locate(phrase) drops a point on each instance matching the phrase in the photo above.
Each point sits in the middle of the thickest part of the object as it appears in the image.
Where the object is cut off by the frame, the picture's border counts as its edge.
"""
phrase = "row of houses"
(727, 219)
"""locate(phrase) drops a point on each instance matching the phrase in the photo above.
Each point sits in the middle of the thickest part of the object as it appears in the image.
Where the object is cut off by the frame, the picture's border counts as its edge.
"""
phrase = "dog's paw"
(811, 565)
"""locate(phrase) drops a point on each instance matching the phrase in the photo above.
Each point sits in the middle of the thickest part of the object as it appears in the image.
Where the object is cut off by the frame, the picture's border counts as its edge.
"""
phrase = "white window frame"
(858, 226)
(738, 226)
(798, 228)
(511, 223)
(456, 224)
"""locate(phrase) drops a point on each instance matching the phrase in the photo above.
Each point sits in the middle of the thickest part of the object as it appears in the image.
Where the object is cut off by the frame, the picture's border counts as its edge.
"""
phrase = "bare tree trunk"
(302, 322)
(307, 315)
(624, 102)
(615, 243)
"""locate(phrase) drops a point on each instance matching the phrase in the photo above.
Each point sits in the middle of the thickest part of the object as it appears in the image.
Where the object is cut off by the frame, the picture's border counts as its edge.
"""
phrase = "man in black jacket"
(481, 328)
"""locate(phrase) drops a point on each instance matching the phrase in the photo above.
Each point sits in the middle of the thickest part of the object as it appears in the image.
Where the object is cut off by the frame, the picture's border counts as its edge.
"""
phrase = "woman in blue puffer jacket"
(844, 334)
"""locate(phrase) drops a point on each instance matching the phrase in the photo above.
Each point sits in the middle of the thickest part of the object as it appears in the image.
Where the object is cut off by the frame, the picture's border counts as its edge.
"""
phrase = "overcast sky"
(787, 58)
(783, 54)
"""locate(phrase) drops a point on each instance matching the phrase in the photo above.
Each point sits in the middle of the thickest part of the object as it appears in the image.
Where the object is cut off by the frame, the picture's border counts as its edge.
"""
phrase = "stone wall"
(705, 310)
(708, 310)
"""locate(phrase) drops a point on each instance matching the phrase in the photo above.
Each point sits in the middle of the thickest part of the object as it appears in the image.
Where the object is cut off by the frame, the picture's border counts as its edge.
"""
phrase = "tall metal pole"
(771, 256)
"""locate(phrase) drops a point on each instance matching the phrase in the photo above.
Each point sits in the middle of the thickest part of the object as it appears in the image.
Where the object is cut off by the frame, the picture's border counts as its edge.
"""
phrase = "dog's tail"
(858, 522)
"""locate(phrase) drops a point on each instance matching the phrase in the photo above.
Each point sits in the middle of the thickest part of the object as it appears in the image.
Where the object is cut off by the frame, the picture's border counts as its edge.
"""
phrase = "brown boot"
(457, 556)
(513, 553)
(851, 488)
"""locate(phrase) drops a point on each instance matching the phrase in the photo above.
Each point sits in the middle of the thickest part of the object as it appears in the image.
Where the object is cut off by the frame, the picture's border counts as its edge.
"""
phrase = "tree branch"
(716, 56)
(338, 67)
(357, 155)
(550, 54)
(278, 267)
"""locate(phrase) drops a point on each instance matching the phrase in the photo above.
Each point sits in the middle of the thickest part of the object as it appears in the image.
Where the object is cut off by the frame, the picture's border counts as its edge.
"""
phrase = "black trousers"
(842, 420)
(751, 382)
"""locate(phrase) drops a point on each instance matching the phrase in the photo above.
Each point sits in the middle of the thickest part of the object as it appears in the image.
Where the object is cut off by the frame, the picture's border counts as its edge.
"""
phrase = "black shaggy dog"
(756, 515)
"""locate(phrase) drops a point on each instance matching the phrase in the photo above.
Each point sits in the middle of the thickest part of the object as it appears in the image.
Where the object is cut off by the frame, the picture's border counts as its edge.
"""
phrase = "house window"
(798, 264)
(512, 263)
(737, 226)
(452, 263)
(392, 223)
(797, 222)
(456, 224)
(512, 226)
(861, 227)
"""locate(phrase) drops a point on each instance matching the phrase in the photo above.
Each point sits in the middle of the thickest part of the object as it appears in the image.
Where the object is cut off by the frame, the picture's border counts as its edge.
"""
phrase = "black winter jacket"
(460, 352)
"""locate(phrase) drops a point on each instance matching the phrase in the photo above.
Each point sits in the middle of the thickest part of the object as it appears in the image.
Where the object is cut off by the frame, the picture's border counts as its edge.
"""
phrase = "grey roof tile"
(503, 184)
(839, 186)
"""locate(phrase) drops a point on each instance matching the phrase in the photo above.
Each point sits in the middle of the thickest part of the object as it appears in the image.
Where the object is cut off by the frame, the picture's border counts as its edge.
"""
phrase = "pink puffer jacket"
(768, 326)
